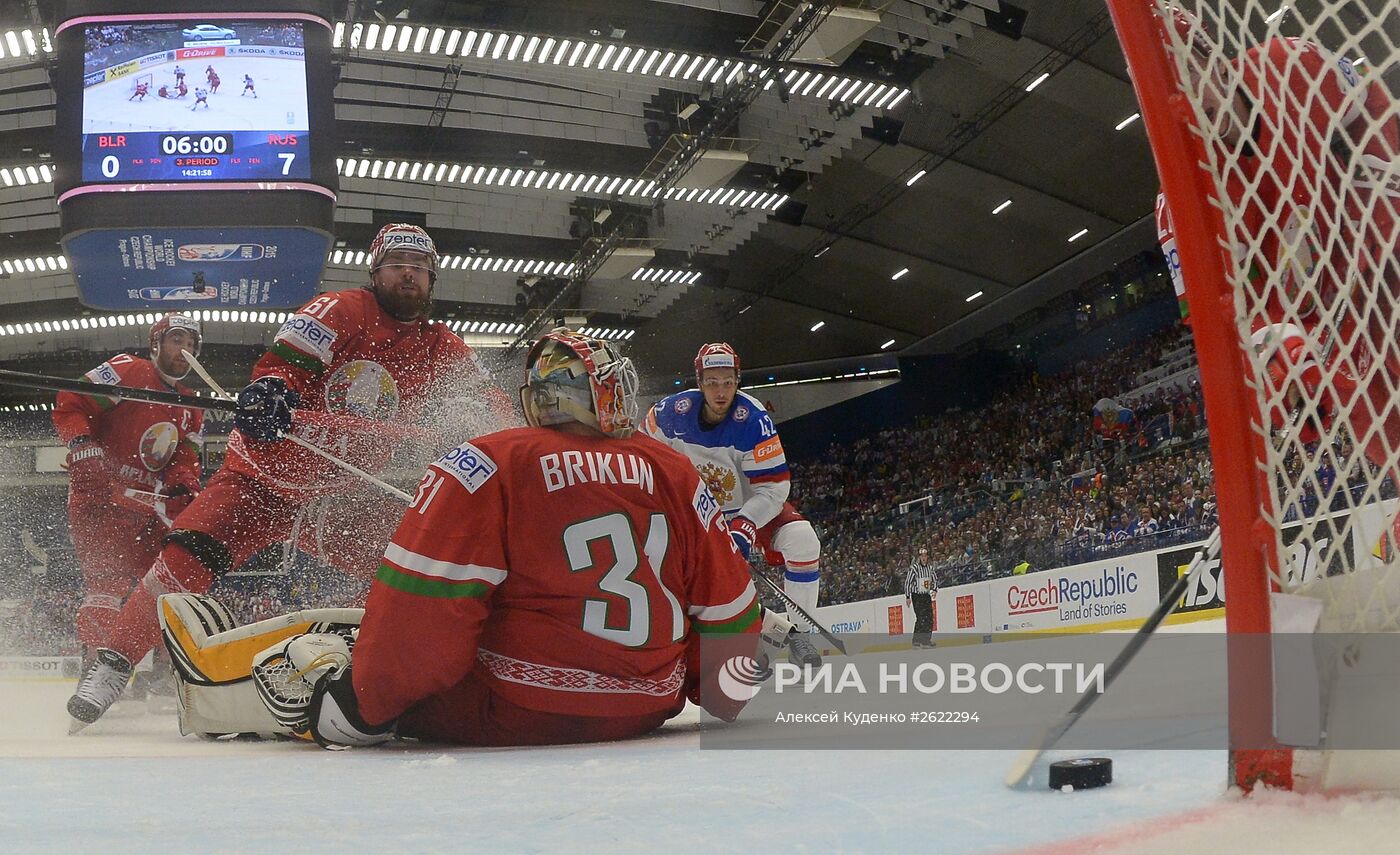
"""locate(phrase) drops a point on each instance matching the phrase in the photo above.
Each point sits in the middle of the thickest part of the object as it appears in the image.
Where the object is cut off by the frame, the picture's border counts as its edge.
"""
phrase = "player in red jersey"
(1310, 134)
(141, 91)
(345, 357)
(132, 467)
(213, 82)
(548, 584)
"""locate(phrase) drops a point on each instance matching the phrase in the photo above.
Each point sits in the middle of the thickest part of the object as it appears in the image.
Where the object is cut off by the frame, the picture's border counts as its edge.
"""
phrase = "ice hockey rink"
(130, 783)
(280, 103)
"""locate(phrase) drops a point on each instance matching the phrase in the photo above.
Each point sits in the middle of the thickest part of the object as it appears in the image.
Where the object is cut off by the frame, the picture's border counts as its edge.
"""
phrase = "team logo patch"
(682, 406)
(308, 335)
(104, 373)
(363, 388)
(768, 449)
(741, 413)
(721, 481)
(157, 445)
(469, 465)
(705, 505)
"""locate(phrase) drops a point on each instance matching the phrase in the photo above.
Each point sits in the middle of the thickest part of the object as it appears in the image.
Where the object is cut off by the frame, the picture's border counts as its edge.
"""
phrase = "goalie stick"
(791, 604)
(1020, 772)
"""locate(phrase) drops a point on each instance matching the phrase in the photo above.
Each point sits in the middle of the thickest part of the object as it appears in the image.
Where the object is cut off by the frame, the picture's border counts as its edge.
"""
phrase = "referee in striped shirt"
(920, 586)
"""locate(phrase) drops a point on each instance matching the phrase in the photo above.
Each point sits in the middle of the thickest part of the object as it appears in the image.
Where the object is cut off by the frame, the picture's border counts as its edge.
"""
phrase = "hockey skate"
(99, 688)
(802, 652)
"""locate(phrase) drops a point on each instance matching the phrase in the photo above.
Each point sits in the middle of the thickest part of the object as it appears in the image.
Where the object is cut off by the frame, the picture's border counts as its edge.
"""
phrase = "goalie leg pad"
(213, 660)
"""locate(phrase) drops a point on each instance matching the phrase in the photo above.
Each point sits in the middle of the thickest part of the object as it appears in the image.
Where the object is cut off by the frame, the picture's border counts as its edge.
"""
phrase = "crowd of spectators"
(1023, 480)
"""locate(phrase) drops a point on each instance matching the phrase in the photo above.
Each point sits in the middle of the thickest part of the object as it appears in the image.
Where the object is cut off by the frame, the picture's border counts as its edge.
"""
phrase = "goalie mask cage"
(1275, 141)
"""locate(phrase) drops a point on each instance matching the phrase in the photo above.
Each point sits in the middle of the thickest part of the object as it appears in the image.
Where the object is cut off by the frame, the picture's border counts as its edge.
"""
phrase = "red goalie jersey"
(351, 362)
(573, 573)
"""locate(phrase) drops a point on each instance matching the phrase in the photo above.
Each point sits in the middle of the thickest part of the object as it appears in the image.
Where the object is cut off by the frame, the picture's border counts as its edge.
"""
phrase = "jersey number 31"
(632, 628)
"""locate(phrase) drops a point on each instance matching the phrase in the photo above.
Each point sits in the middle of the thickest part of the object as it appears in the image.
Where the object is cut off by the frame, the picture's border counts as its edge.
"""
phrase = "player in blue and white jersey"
(731, 440)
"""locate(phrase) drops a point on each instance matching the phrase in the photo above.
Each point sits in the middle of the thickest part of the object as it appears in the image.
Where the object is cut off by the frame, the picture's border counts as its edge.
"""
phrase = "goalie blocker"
(214, 662)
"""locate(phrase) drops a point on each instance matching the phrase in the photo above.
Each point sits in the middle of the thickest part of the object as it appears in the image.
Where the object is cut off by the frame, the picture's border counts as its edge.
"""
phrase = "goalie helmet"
(175, 321)
(402, 237)
(1190, 30)
(716, 355)
(572, 377)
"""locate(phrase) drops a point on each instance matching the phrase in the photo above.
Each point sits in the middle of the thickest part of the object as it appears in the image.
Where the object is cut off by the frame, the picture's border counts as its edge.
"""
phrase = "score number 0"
(111, 165)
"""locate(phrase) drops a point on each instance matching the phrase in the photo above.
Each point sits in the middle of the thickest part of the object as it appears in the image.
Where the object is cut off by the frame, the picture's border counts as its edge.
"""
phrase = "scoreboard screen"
(180, 98)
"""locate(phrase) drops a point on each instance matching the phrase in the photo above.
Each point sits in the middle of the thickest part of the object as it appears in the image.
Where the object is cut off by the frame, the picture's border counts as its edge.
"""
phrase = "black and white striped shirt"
(920, 580)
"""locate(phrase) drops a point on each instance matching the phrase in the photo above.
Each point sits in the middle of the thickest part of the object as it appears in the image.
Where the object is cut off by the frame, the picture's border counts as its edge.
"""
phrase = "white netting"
(1296, 107)
(138, 79)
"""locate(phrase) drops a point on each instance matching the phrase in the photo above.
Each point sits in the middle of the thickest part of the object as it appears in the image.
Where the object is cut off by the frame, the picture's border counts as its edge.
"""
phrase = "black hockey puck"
(1083, 773)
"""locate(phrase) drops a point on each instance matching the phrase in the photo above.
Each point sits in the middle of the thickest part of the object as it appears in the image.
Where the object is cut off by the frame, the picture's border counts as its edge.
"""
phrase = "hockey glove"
(265, 408)
(745, 534)
(1293, 377)
(286, 673)
(335, 715)
(88, 471)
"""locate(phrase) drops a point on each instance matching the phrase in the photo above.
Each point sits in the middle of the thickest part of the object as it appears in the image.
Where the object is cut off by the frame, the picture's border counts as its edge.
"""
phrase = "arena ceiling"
(824, 213)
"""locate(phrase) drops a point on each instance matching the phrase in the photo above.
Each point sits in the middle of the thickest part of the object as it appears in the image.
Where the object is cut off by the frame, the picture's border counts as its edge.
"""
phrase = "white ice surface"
(131, 784)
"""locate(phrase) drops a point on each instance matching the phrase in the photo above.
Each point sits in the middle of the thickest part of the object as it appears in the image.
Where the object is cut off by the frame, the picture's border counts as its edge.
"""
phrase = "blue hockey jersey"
(741, 459)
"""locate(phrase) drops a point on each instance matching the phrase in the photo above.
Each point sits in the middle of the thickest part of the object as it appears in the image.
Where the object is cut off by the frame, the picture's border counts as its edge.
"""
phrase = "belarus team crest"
(158, 445)
(363, 388)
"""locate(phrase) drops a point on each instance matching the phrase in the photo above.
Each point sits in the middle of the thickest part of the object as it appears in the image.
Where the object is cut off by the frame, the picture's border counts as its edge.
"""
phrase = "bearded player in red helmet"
(345, 357)
(734, 445)
(132, 467)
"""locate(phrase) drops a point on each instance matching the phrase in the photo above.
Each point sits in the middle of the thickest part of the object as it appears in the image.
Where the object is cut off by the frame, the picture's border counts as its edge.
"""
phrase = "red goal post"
(1278, 161)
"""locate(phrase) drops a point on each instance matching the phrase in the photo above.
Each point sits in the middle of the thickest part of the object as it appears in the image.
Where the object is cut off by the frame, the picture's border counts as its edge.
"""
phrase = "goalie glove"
(335, 715)
(745, 534)
(286, 675)
(1294, 380)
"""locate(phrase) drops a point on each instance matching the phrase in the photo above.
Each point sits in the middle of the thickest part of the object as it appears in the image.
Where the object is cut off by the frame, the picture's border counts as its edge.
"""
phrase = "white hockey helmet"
(402, 237)
(572, 377)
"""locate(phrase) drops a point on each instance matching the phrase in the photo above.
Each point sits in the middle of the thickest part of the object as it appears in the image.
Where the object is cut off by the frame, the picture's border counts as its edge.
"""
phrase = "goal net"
(1275, 131)
(138, 79)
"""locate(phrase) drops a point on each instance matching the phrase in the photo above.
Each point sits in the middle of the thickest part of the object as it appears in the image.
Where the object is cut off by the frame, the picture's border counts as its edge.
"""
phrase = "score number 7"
(287, 157)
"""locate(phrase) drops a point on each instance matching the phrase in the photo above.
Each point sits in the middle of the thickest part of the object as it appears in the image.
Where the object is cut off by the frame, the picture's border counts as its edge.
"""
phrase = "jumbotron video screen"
(189, 99)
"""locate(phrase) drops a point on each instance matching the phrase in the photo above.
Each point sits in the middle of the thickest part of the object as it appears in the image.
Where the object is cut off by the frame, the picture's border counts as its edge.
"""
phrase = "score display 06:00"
(196, 144)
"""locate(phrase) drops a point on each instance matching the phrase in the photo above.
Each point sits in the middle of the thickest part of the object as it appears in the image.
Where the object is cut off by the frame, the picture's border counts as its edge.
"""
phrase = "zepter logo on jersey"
(363, 388)
(157, 445)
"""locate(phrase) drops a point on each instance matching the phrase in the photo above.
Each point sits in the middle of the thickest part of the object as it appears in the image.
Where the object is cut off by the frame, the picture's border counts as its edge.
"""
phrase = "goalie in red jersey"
(510, 566)
(548, 584)
(1313, 152)
(132, 466)
(362, 368)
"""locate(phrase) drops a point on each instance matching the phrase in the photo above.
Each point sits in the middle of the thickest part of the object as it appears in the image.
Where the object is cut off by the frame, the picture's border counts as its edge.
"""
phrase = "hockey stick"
(313, 448)
(1020, 772)
(790, 603)
(83, 387)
